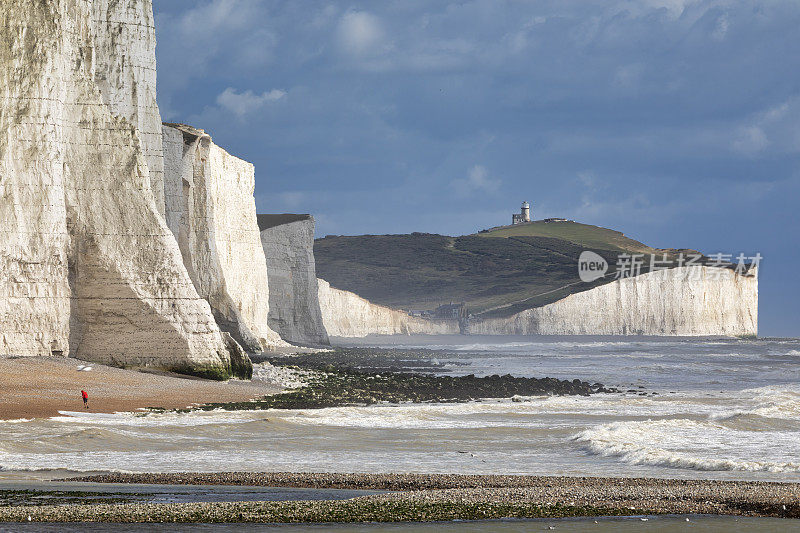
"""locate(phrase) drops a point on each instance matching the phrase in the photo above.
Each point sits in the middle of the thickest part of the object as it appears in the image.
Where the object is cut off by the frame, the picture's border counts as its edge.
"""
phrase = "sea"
(716, 408)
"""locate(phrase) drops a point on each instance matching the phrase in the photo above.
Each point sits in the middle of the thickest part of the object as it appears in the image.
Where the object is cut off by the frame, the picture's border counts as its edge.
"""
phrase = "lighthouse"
(526, 212)
(523, 216)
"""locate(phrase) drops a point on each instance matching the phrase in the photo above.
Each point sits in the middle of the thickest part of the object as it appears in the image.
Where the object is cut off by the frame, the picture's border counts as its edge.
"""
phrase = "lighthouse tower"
(523, 216)
(526, 212)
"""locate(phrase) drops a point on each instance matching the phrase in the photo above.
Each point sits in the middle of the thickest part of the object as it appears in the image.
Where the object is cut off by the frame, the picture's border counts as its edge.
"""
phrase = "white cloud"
(774, 129)
(236, 35)
(588, 180)
(360, 33)
(750, 140)
(477, 180)
(721, 29)
(675, 8)
(246, 102)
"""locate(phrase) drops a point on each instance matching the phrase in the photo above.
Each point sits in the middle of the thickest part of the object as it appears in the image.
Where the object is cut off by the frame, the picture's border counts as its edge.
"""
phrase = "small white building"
(523, 216)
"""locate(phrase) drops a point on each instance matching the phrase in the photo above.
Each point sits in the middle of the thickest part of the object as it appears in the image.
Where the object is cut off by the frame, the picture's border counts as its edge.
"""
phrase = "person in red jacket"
(85, 399)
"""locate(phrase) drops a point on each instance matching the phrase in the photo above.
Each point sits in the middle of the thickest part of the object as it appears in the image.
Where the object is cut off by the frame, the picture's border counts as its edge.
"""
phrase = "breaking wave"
(520, 412)
(694, 445)
(768, 402)
(147, 419)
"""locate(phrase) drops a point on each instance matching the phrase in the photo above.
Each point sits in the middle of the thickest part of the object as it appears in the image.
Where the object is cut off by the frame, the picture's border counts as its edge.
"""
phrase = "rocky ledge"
(354, 377)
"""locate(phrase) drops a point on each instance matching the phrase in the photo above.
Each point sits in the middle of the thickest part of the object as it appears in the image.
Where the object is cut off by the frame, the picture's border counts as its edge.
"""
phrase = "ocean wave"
(778, 402)
(517, 412)
(145, 419)
(694, 445)
(539, 347)
(103, 461)
(16, 421)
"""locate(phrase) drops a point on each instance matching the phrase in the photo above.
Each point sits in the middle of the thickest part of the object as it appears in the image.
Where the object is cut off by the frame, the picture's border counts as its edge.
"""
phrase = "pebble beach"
(433, 497)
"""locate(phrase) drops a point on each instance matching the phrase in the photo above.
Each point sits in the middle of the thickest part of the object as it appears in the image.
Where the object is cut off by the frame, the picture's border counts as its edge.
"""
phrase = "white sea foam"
(145, 419)
(769, 402)
(525, 347)
(525, 412)
(696, 445)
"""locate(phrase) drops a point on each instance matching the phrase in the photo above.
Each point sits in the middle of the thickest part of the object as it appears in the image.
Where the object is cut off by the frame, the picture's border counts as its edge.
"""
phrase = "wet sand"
(35, 387)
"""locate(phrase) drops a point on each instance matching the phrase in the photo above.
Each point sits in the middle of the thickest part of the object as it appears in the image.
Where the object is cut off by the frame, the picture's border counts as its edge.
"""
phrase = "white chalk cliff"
(90, 267)
(294, 312)
(211, 210)
(346, 314)
(691, 301)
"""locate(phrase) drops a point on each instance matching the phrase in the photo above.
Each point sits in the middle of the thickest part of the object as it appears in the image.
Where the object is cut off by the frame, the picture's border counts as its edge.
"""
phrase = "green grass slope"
(496, 273)
(584, 235)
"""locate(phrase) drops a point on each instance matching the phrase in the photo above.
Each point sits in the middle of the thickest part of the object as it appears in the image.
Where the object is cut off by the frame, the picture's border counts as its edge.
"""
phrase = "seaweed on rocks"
(355, 380)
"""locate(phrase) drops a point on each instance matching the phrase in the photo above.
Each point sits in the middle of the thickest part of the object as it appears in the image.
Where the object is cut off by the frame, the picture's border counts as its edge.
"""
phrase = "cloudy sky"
(674, 121)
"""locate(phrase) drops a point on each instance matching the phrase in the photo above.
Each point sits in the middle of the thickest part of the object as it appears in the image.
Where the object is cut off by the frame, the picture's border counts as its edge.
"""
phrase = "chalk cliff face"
(211, 210)
(689, 301)
(34, 287)
(94, 271)
(125, 72)
(288, 242)
(346, 314)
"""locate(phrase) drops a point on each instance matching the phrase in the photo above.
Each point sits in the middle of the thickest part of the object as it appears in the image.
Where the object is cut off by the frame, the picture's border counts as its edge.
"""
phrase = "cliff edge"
(348, 315)
(211, 210)
(294, 311)
(93, 269)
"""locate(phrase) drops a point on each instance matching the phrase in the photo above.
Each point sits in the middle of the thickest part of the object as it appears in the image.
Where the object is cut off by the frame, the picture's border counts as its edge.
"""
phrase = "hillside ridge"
(495, 272)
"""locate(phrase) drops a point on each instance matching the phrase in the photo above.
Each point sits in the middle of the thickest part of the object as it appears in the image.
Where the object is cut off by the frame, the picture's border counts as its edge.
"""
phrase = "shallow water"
(724, 408)
(652, 524)
(145, 493)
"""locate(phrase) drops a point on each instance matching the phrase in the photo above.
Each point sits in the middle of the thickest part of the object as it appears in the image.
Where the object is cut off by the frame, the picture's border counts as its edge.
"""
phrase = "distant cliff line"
(525, 279)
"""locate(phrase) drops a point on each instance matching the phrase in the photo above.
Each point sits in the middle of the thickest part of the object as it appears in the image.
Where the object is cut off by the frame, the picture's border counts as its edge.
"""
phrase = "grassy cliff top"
(584, 235)
(497, 272)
